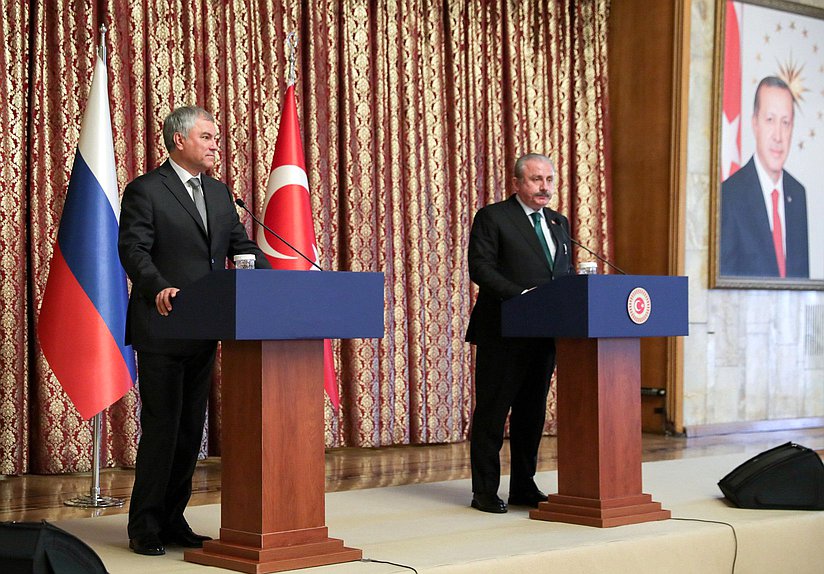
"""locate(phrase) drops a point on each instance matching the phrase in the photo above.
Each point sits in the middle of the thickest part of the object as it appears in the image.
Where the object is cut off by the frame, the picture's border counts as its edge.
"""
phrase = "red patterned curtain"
(412, 115)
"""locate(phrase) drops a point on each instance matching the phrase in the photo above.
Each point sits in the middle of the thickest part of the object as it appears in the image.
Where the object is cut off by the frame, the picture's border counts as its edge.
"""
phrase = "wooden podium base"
(600, 513)
(272, 484)
(279, 552)
(599, 436)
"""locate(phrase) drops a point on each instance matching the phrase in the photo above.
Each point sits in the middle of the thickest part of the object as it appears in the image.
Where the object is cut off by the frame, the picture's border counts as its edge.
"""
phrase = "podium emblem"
(639, 305)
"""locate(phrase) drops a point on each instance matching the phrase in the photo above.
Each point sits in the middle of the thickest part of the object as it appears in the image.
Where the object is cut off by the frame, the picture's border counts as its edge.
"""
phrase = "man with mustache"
(514, 246)
(764, 208)
(177, 224)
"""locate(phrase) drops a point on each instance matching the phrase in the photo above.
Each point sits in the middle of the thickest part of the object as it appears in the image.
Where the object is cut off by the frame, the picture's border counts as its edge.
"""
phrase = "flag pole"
(94, 499)
(292, 47)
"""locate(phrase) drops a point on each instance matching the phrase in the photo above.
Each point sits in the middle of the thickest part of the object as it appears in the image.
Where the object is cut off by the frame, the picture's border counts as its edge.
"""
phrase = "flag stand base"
(94, 499)
(88, 501)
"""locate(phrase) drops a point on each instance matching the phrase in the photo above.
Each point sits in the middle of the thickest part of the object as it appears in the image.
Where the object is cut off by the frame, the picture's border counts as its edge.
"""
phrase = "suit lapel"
(758, 212)
(211, 193)
(557, 238)
(553, 229)
(523, 224)
(178, 190)
(795, 225)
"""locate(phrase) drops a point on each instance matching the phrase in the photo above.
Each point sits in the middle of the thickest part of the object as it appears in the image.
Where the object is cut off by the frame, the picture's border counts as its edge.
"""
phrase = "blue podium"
(272, 324)
(597, 321)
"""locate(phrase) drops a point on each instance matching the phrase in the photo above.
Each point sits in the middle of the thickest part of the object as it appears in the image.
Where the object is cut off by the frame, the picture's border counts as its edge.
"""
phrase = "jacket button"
(213, 261)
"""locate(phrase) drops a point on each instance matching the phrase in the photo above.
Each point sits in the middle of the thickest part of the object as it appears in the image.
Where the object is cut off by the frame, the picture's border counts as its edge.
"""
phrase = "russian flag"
(82, 322)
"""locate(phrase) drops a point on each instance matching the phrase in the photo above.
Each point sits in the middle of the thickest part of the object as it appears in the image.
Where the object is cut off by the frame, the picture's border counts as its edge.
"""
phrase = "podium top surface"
(265, 304)
(598, 306)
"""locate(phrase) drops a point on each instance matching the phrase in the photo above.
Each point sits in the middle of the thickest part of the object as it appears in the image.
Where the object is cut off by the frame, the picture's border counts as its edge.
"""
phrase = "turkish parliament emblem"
(639, 305)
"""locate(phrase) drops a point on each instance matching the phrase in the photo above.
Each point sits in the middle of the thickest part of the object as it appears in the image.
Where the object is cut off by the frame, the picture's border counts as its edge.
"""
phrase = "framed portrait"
(767, 190)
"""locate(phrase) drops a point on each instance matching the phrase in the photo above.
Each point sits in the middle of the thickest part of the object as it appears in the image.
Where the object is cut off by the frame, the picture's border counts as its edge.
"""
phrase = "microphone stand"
(618, 269)
(585, 248)
(240, 203)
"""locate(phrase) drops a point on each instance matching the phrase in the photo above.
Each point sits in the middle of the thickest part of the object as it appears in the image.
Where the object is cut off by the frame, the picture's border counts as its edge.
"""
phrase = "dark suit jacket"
(505, 258)
(163, 243)
(746, 239)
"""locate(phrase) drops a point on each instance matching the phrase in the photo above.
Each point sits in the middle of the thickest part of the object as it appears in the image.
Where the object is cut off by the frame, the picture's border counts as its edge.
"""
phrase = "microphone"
(242, 204)
(556, 221)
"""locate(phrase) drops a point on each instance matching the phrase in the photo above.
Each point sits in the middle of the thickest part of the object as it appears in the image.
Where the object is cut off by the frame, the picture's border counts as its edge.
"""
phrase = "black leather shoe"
(186, 539)
(528, 498)
(488, 503)
(148, 546)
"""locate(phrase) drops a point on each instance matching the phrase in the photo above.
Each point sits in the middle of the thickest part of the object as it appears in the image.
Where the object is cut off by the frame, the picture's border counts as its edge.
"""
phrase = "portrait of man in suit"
(177, 224)
(515, 245)
(763, 208)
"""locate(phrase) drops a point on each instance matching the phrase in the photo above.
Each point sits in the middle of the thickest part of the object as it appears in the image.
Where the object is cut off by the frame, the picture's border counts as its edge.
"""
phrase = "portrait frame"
(733, 143)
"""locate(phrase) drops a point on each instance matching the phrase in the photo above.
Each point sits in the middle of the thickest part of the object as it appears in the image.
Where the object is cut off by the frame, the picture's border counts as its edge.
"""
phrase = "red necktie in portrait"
(778, 242)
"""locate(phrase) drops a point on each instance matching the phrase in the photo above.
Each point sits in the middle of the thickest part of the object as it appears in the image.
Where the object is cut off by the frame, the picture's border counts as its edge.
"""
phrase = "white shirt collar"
(182, 173)
(767, 184)
(544, 224)
(528, 210)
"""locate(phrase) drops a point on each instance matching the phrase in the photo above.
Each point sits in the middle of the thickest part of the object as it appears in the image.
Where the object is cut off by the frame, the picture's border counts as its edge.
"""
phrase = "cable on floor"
(390, 563)
(734, 535)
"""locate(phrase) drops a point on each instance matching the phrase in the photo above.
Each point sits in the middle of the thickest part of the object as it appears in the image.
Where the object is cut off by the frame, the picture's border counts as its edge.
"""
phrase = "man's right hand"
(163, 300)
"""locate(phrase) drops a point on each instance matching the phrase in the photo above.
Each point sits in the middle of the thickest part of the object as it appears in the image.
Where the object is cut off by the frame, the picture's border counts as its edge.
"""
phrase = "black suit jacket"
(746, 238)
(505, 258)
(163, 243)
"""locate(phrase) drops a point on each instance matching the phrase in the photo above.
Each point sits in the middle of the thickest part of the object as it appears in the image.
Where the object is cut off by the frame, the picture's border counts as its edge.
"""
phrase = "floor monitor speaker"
(40, 548)
(788, 477)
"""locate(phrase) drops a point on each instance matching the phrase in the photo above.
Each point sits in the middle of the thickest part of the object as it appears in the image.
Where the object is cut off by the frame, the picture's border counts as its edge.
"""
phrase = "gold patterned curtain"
(412, 114)
(15, 308)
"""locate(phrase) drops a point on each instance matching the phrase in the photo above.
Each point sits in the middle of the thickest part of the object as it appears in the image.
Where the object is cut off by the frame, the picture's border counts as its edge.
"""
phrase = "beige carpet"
(431, 527)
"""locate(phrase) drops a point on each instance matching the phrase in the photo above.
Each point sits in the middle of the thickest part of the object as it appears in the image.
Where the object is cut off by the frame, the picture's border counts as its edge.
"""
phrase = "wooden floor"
(34, 497)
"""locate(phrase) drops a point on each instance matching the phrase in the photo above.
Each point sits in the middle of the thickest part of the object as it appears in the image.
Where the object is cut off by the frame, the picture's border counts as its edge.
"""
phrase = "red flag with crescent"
(288, 211)
(731, 116)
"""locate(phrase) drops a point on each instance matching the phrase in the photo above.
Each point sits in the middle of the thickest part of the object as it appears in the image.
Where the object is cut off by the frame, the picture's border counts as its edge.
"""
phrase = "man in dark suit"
(764, 208)
(176, 225)
(514, 246)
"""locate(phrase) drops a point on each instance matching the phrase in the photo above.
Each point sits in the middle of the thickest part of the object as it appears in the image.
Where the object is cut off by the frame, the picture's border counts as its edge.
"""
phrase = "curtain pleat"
(412, 114)
(15, 375)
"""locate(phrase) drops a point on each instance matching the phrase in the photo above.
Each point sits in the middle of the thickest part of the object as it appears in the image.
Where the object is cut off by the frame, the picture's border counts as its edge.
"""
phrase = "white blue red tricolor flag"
(82, 321)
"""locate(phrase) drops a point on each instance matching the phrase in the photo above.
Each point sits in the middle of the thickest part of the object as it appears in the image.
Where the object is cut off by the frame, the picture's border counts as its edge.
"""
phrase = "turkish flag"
(731, 117)
(288, 211)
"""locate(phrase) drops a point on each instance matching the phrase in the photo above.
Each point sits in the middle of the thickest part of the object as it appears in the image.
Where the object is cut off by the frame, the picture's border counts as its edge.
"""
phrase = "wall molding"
(694, 431)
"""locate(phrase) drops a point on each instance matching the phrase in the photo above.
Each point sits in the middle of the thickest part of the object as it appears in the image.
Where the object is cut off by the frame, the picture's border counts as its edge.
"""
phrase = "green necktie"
(536, 221)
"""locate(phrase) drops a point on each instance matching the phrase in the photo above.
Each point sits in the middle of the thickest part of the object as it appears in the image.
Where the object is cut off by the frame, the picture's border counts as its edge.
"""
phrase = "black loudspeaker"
(787, 477)
(40, 548)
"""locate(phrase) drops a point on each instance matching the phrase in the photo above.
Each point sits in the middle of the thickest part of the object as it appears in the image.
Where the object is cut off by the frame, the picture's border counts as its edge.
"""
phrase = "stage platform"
(431, 528)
